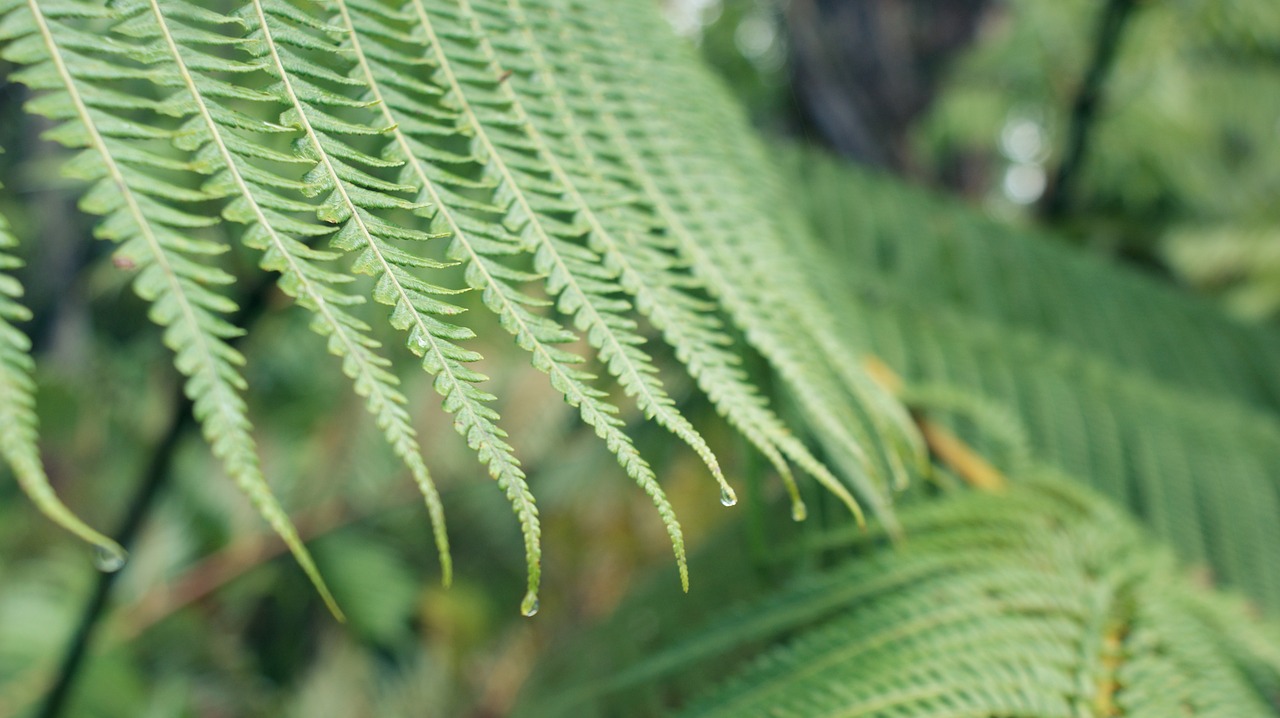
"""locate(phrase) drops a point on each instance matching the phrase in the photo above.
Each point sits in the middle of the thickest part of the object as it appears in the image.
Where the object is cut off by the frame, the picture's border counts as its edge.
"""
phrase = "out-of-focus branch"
(862, 71)
(140, 505)
(1084, 112)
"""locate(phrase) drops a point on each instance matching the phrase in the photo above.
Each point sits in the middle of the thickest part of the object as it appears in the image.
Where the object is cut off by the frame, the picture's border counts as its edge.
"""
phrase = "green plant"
(1178, 171)
(562, 170)
(1044, 601)
(437, 150)
(1035, 598)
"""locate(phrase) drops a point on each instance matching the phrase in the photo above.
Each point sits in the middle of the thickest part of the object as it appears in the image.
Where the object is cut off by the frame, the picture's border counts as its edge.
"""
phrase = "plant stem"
(1084, 112)
(140, 505)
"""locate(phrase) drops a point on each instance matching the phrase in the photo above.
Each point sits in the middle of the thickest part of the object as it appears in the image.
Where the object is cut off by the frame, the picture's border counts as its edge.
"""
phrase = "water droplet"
(727, 497)
(798, 511)
(529, 606)
(108, 560)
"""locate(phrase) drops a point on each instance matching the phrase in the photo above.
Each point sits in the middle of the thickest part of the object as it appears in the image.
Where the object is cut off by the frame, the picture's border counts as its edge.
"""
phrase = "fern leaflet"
(153, 235)
(18, 422)
(227, 158)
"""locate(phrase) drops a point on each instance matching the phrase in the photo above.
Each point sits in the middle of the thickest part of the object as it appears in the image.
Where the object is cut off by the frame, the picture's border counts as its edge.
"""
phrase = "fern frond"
(1041, 602)
(226, 152)
(1157, 400)
(352, 197)
(1196, 469)
(646, 260)
(145, 215)
(572, 274)
(1017, 277)
(479, 245)
(18, 421)
(1036, 620)
(522, 135)
(641, 260)
(690, 196)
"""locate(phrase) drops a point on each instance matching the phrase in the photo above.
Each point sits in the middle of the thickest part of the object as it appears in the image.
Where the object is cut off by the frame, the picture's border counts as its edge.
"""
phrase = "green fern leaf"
(1028, 619)
(643, 267)
(257, 203)
(572, 271)
(691, 195)
(1044, 601)
(474, 244)
(139, 213)
(352, 199)
(1154, 398)
(18, 422)
(508, 148)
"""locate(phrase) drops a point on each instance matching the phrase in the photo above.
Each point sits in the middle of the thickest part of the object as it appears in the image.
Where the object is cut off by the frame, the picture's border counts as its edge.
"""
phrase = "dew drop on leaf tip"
(529, 607)
(108, 560)
(727, 497)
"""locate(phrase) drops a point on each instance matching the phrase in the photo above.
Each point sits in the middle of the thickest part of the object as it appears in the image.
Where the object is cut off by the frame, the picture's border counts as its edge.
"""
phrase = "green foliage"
(442, 148)
(1042, 602)
(1238, 263)
(563, 176)
(1152, 397)
(1182, 155)
(18, 423)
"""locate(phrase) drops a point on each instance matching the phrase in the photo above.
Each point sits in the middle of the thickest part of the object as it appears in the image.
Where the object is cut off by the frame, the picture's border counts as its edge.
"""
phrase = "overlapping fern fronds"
(1048, 605)
(1041, 602)
(1156, 399)
(536, 153)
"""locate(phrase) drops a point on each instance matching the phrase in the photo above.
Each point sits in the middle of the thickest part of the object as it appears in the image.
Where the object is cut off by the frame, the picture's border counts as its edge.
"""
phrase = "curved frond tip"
(18, 421)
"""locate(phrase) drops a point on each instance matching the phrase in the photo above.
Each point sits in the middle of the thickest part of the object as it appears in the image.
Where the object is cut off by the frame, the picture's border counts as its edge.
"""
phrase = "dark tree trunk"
(864, 69)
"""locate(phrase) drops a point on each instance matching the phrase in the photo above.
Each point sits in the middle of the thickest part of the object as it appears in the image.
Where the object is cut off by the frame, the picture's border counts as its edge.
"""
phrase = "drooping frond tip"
(18, 422)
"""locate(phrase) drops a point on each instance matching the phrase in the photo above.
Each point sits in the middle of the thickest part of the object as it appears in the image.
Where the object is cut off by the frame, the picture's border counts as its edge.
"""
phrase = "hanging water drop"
(529, 607)
(798, 511)
(108, 560)
(727, 497)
